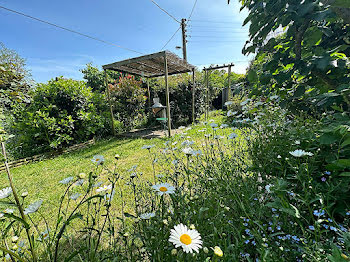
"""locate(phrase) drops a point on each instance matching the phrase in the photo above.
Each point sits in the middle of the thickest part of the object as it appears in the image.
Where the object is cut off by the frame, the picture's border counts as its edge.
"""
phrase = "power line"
(70, 30)
(171, 38)
(192, 9)
(212, 21)
(165, 11)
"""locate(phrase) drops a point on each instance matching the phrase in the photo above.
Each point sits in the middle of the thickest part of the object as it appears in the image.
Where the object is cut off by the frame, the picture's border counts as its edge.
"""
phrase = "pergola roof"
(152, 65)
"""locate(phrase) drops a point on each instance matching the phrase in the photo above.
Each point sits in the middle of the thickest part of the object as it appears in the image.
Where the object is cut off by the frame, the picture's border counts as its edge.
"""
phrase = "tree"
(308, 65)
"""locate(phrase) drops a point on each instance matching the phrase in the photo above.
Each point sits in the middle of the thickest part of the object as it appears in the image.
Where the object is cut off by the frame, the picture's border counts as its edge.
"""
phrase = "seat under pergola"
(163, 63)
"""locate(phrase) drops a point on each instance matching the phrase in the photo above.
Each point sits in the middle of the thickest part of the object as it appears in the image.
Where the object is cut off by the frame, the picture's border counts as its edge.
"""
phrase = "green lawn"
(41, 179)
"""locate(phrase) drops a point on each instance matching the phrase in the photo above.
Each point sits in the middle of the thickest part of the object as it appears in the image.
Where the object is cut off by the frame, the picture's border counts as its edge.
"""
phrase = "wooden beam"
(218, 67)
(110, 103)
(167, 95)
(193, 96)
(133, 60)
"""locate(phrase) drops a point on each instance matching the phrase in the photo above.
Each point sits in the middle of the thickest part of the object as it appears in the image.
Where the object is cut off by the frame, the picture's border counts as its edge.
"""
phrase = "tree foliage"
(308, 64)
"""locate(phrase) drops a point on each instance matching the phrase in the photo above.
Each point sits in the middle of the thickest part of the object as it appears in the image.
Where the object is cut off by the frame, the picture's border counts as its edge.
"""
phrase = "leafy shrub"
(128, 101)
(60, 113)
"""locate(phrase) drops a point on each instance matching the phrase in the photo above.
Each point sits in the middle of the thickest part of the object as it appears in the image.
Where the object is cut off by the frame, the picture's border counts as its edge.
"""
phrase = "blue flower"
(348, 213)
(247, 241)
(245, 224)
(333, 228)
(278, 228)
(327, 172)
(325, 226)
(311, 227)
(319, 213)
(274, 209)
(253, 243)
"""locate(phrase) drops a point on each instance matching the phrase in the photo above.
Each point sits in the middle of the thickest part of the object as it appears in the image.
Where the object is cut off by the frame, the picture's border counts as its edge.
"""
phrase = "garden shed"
(163, 63)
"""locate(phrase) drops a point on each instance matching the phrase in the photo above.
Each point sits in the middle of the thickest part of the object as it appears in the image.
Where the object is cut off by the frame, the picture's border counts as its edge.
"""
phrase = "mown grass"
(41, 179)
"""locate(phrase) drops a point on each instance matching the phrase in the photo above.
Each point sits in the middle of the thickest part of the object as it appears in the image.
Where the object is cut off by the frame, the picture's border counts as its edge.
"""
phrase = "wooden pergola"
(163, 63)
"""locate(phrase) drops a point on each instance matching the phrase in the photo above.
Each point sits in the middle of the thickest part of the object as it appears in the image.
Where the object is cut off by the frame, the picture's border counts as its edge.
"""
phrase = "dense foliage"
(59, 113)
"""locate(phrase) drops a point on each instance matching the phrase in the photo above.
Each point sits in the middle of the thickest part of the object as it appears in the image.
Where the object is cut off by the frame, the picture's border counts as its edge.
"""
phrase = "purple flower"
(323, 179)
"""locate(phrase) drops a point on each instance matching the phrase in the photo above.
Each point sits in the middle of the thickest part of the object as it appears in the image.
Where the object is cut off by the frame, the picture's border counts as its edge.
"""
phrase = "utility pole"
(183, 27)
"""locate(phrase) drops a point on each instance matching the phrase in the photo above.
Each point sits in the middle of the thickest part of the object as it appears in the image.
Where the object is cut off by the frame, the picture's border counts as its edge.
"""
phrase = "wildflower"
(218, 137)
(323, 179)
(192, 226)
(147, 215)
(300, 153)
(218, 251)
(9, 211)
(44, 235)
(188, 239)
(232, 136)
(79, 182)
(82, 175)
(333, 228)
(223, 126)
(32, 208)
(267, 187)
(319, 213)
(174, 252)
(297, 142)
(327, 173)
(165, 222)
(228, 103)
(187, 150)
(196, 153)
(247, 241)
(24, 194)
(164, 188)
(116, 156)
(348, 213)
(109, 197)
(5, 192)
(312, 228)
(148, 147)
(67, 180)
(279, 157)
(205, 250)
(213, 125)
(104, 188)
(231, 113)
(245, 102)
(75, 196)
(14, 239)
(98, 160)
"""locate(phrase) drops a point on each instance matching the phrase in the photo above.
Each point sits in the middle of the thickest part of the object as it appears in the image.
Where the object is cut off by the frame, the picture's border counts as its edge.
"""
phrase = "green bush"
(60, 113)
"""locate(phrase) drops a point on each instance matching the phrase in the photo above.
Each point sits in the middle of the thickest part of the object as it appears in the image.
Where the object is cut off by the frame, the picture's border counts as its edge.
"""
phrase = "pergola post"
(229, 82)
(167, 95)
(110, 103)
(207, 102)
(149, 95)
(193, 96)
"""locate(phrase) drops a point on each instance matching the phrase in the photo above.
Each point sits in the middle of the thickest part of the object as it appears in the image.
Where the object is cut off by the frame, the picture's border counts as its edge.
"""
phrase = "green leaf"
(328, 138)
(129, 215)
(346, 142)
(345, 174)
(252, 76)
(341, 3)
(25, 224)
(299, 91)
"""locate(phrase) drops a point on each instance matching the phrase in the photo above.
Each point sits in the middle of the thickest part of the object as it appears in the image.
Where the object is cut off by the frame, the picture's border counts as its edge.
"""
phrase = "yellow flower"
(218, 251)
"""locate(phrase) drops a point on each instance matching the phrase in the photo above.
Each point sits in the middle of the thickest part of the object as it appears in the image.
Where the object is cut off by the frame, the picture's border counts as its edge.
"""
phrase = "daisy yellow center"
(186, 239)
(163, 189)
(97, 159)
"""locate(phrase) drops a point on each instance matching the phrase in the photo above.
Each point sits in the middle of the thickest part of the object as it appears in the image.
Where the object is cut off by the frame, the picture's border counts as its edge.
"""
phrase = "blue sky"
(215, 33)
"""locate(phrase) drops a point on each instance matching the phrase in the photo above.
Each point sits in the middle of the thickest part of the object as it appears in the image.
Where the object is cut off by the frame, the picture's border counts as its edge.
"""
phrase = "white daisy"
(232, 136)
(5, 192)
(9, 211)
(75, 196)
(147, 215)
(98, 160)
(196, 153)
(213, 125)
(147, 146)
(228, 103)
(32, 208)
(224, 126)
(164, 188)
(187, 150)
(104, 188)
(67, 180)
(44, 235)
(188, 239)
(300, 153)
